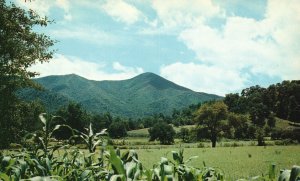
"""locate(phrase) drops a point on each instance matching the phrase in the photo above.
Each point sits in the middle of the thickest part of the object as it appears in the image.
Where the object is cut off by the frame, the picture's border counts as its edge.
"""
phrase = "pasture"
(236, 162)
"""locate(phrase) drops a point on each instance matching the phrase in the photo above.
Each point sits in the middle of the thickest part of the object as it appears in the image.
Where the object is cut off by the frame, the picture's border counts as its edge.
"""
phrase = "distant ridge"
(143, 95)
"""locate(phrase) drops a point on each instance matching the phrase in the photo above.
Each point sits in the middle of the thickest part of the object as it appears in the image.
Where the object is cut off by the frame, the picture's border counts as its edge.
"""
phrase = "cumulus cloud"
(181, 12)
(173, 15)
(203, 78)
(62, 65)
(269, 46)
(122, 11)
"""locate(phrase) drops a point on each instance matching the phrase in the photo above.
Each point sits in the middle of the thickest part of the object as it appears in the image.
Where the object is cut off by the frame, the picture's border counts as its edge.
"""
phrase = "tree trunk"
(213, 140)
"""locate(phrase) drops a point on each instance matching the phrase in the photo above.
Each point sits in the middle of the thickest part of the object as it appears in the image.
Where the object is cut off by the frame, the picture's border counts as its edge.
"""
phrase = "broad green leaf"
(4, 177)
(284, 175)
(39, 178)
(85, 175)
(124, 156)
(168, 169)
(116, 162)
(295, 173)
(176, 157)
(96, 144)
(117, 178)
(190, 159)
(102, 132)
(130, 167)
(149, 174)
(163, 160)
(7, 163)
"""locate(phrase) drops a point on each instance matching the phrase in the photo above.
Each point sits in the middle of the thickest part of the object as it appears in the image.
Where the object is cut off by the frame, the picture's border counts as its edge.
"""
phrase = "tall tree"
(211, 115)
(75, 117)
(117, 129)
(20, 48)
(294, 110)
(163, 132)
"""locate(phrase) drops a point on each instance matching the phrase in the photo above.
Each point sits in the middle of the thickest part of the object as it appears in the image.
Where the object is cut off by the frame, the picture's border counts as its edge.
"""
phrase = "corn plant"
(184, 171)
(124, 167)
(91, 139)
(290, 175)
(48, 130)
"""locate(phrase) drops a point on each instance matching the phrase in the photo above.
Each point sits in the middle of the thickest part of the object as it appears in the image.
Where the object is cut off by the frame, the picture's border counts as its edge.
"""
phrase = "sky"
(211, 46)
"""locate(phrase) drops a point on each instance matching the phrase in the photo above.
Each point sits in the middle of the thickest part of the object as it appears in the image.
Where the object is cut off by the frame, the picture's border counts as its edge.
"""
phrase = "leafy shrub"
(290, 133)
(200, 145)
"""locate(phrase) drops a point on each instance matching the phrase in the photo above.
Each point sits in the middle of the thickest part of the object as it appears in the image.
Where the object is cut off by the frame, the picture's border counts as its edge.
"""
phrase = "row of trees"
(281, 100)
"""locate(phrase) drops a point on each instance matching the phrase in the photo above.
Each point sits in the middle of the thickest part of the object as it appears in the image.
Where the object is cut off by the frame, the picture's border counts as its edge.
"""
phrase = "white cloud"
(174, 15)
(270, 46)
(43, 7)
(181, 12)
(62, 65)
(203, 78)
(89, 34)
(122, 11)
(119, 67)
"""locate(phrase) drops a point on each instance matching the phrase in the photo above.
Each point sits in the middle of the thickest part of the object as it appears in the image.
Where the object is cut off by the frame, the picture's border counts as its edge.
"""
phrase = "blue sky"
(211, 46)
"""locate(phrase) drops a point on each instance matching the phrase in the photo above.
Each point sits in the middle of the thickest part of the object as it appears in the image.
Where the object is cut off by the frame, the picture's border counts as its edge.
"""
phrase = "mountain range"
(143, 95)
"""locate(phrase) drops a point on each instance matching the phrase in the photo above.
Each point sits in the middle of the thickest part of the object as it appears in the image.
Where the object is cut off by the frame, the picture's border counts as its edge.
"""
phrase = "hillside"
(142, 95)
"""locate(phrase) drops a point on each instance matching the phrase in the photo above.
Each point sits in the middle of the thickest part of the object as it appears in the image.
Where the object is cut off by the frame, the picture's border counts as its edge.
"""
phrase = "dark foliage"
(162, 132)
(20, 48)
(117, 129)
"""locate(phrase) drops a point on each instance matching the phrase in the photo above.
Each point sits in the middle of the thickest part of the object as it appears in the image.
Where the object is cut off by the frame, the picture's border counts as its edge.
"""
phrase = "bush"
(290, 133)
(185, 135)
(200, 145)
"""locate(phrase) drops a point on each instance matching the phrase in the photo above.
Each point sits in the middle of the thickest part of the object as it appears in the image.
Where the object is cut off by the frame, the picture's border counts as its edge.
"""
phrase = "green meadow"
(236, 162)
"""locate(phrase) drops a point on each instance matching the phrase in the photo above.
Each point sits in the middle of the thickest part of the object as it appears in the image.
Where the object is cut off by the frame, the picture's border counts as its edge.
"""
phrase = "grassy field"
(144, 132)
(238, 159)
(236, 162)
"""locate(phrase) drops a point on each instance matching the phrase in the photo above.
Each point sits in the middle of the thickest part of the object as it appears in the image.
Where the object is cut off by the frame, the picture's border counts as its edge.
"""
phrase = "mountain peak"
(147, 76)
(139, 96)
(156, 81)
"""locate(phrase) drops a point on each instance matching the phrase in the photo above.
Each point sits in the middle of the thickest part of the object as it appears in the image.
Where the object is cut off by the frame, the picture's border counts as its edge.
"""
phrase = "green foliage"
(75, 116)
(117, 129)
(283, 99)
(185, 135)
(263, 105)
(49, 127)
(286, 134)
(73, 164)
(91, 139)
(240, 125)
(211, 115)
(20, 48)
(152, 93)
(163, 132)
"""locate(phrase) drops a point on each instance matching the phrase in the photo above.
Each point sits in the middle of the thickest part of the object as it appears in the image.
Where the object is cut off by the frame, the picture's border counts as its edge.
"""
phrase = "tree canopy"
(210, 115)
(163, 132)
(20, 48)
